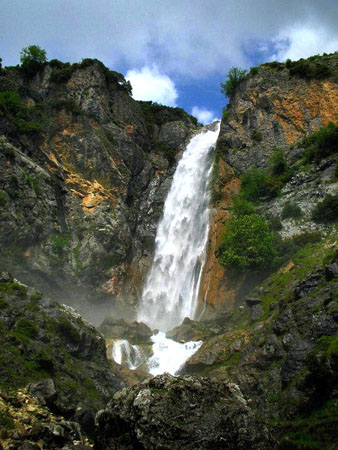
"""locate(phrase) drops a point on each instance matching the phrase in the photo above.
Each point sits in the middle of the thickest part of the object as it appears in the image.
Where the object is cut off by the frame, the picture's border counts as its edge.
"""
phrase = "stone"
(44, 391)
(187, 412)
(331, 271)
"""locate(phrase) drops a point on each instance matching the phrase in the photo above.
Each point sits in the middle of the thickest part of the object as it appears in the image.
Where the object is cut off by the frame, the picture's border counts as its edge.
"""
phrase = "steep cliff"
(274, 108)
(84, 173)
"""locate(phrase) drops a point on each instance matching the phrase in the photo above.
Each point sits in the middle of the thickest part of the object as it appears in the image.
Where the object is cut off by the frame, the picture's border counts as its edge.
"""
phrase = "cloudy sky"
(175, 52)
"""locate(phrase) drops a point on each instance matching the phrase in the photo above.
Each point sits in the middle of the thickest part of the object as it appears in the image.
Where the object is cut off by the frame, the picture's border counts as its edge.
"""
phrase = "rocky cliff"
(84, 173)
(274, 108)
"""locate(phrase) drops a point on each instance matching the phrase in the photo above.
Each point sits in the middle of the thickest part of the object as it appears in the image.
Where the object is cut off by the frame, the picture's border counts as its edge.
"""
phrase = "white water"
(131, 355)
(169, 355)
(171, 290)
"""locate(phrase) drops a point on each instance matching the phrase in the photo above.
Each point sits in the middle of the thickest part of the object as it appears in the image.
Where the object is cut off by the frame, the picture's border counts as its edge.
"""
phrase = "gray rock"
(44, 391)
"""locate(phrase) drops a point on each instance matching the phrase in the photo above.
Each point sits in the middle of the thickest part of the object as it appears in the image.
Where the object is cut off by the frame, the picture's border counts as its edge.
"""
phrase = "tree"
(247, 244)
(235, 76)
(32, 59)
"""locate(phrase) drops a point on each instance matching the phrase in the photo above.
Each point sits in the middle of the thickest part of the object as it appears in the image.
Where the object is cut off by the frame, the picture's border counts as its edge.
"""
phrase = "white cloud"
(149, 84)
(302, 42)
(189, 38)
(203, 115)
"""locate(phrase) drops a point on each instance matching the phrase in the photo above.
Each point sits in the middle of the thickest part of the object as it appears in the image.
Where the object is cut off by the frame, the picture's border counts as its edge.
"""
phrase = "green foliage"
(279, 166)
(27, 328)
(235, 77)
(291, 210)
(44, 361)
(59, 243)
(9, 152)
(32, 60)
(322, 143)
(256, 185)
(67, 329)
(286, 248)
(3, 199)
(327, 210)
(111, 261)
(275, 223)
(225, 113)
(247, 244)
(257, 136)
(62, 72)
(154, 113)
(6, 423)
(21, 116)
(253, 71)
(241, 207)
(309, 69)
(67, 104)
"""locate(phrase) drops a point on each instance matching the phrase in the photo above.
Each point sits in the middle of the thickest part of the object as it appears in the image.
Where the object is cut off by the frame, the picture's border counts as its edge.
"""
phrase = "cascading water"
(171, 290)
(132, 355)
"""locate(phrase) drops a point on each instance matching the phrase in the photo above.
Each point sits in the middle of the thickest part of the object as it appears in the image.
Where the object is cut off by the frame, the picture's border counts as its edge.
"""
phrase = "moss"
(257, 136)
(27, 328)
(3, 199)
(6, 422)
(67, 329)
(59, 243)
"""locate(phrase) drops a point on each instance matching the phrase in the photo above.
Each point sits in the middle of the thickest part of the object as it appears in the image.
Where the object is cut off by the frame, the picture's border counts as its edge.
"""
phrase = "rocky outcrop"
(185, 412)
(48, 346)
(82, 183)
(274, 107)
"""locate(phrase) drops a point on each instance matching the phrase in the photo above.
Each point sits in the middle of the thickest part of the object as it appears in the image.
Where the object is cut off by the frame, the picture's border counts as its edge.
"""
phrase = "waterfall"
(171, 289)
(128, 354)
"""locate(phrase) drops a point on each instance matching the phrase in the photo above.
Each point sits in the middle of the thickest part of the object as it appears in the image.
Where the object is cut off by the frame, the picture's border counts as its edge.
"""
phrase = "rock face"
(48, 346)
(275, 108)
(272, 108)
(83, 179)
(174, 413)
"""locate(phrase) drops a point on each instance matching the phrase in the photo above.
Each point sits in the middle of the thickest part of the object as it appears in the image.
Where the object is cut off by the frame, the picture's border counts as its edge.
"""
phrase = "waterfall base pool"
(168, 355)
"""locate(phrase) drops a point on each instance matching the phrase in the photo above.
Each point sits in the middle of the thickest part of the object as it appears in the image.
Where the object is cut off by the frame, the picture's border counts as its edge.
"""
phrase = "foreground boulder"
(174, 413)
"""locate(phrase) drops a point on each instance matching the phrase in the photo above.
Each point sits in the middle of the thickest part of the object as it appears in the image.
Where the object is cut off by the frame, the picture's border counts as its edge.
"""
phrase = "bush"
(256, 185)
(309, 69)
(27, 328)
(247, 244)
(32, 59)
(275, 223)
(257, 136)
(287, 247)
(235, 77)
(322, 143)
(13, 110)
(292, 211)
(241, 207)
(327, 210)
(279, 166)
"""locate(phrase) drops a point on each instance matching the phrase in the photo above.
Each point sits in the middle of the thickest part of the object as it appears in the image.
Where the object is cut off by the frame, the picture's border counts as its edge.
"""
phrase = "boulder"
(187, 412)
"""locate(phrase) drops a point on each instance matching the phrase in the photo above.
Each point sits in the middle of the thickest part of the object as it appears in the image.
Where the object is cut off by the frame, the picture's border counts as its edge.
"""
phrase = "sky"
(174, 52)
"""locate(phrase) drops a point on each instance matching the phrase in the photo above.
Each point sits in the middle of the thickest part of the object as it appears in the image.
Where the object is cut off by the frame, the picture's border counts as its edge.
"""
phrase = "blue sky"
(175, 52)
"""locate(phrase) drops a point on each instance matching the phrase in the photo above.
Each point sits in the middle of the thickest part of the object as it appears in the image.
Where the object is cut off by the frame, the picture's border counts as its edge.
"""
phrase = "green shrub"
(235, 77)
(9, 152)
(68, 104)
(322, 143)
(256, 185)
(3, 199)
(32, 59)
(67, 330)
(309, 69)
(21, 116)
(292, 211)
(225, 113)
(241, 207)
(327, 210)
(287, 247)
(60, 242)
(247, 244)
(257, 136)
(27, 328)
(154, 113)
(279, 166)
(253, 71)
(44, 361)
(275, 223)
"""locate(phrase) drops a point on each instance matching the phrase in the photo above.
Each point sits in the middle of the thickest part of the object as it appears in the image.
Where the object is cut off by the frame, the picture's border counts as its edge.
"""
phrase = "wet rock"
(191, 330)
(186, 412)
(331, 271)
(134, 332)
(306, 286)
(44, 391)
